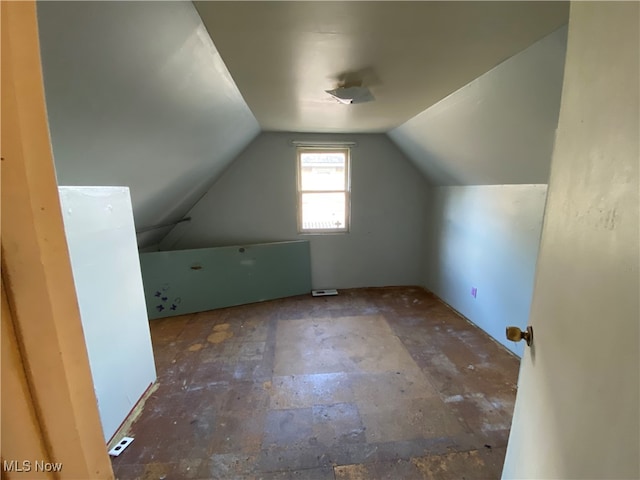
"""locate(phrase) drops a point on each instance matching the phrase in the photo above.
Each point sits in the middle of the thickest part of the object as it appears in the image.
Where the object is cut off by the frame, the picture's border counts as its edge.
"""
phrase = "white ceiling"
(284, 55)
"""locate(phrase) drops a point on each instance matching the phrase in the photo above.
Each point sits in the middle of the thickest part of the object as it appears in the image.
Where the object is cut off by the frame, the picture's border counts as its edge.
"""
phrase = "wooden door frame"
(36, 272)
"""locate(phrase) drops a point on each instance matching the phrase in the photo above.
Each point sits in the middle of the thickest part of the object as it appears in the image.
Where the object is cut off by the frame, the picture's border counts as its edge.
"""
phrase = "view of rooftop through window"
(323, 179)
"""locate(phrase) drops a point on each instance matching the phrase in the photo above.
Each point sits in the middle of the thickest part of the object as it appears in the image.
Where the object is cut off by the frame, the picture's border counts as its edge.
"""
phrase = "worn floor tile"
(240, 466)
(374, 383)
(339, 423)
(288, 427)
(354, 472)
(456, 466)
(299, 391)
(309, 474)
(378, 391)
(409, 420)
(363, 344)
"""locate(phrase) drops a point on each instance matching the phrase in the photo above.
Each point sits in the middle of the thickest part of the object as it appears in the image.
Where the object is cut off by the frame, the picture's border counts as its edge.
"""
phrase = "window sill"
(324, 232)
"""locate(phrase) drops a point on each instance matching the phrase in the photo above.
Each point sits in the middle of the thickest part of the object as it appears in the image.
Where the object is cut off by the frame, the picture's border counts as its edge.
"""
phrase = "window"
(323, 190)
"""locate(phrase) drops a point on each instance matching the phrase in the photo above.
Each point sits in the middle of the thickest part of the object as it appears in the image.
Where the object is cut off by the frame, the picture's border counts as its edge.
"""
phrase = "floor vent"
(323, 293)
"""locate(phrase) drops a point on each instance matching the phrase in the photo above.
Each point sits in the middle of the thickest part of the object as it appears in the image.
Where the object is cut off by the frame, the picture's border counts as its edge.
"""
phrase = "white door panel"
(576, 413)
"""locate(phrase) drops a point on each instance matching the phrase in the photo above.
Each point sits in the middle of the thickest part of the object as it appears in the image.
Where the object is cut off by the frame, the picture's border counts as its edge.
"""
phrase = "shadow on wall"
(441, 170)
(482, 248)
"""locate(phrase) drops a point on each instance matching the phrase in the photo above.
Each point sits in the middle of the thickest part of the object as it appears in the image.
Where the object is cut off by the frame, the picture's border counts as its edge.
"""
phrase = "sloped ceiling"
(284, 55)
(137, 95)
(498, 129)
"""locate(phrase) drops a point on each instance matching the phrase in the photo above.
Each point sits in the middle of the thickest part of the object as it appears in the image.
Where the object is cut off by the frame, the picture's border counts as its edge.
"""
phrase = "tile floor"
(384, 383)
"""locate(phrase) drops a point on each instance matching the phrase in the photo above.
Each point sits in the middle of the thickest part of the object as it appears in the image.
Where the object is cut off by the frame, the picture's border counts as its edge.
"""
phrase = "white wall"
(138, 95)
(255, 201)
(485, 237)
(578, 406)
(498, 129)
(98, 224)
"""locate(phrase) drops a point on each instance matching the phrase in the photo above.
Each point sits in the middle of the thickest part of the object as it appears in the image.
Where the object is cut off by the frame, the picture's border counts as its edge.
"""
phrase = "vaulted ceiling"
(284, 55)
(162, 96)
(137, 95)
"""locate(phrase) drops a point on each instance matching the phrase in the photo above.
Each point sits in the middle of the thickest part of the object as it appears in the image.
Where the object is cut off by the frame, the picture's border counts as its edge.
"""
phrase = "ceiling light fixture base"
(351, 95)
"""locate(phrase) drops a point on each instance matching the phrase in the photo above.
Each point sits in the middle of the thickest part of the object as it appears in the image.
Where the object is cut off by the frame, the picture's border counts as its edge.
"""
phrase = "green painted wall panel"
(187, 281)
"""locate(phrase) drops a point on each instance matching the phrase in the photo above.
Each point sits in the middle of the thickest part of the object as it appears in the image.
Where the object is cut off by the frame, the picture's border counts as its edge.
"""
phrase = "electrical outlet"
(474, 292)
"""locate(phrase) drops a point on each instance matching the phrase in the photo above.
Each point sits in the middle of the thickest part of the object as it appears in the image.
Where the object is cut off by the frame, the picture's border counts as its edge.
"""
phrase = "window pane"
(322, 171)
(323, 211)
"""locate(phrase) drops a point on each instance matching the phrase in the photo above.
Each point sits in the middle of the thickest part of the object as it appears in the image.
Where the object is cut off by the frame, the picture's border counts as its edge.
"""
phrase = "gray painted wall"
(255, 201)
(485, 237)
(499, 129)
(138, 95)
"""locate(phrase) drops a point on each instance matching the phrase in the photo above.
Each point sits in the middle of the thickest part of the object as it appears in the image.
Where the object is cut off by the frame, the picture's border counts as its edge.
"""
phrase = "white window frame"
(347, 189)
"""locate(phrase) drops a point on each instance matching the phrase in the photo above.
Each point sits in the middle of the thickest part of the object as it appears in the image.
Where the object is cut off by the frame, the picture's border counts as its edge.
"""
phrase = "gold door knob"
(515, 334)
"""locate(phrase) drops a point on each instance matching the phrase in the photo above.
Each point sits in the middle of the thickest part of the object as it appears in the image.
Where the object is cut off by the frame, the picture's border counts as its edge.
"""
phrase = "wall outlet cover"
(120, 446)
